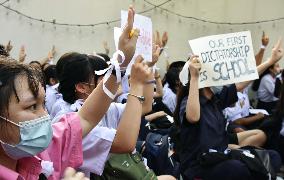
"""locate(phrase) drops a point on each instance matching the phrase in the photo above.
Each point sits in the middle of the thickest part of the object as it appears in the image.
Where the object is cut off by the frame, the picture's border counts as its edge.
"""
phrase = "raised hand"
(127, 43)
(277, 52)
(9, 47)
(264, 39)
(194, 66)
(22, 54)
(165, 38)
(51, 53)
(140, 72)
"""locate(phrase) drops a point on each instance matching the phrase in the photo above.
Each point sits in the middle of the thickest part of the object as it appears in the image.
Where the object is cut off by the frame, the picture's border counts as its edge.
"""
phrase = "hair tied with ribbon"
(114, 65)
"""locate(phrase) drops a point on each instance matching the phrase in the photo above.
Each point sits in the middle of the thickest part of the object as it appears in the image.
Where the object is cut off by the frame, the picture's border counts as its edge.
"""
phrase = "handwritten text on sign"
(225, 59)
(144, 42)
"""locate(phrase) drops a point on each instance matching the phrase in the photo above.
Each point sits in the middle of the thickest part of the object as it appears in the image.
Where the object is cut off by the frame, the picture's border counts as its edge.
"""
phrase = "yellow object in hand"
(131, 33)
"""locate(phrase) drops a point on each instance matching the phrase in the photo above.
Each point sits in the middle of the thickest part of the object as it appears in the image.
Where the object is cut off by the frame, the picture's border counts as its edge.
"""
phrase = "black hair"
(97, 65)
(9, 71)
(73, 68)
(49, 72)
(3, 51)
(105, 56)
(177, 64)
(172, 78)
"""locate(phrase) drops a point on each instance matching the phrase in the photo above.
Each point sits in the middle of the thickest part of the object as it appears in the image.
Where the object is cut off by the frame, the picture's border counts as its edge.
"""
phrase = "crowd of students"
(66, 120)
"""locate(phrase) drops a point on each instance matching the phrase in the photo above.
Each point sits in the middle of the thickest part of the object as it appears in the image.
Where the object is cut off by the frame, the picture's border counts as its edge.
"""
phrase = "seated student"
(171, 85)
(265, 91)
(202, 124)
(239, 117)
(51, 87)
(29, 141)
(77, 80)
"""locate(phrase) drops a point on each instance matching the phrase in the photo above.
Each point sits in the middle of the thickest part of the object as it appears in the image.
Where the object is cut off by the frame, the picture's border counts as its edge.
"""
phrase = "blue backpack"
(159, 157)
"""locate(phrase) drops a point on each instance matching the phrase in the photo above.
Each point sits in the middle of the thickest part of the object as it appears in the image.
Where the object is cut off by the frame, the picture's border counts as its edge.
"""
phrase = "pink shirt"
(65, 150)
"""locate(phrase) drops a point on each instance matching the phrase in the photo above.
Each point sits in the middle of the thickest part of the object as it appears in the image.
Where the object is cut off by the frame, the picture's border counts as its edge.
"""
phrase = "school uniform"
(65, 150)
(265, 94)
(169, 98)
(97, 144)
(51, 96)
(208, 133)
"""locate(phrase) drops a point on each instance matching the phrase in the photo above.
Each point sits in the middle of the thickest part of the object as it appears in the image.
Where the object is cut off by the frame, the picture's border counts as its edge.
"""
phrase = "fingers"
(130, 21)
(79, 175)
(69, 172)
(263, 34)
(193, 57)
(279, 43)
(139, 59)
(135, 36)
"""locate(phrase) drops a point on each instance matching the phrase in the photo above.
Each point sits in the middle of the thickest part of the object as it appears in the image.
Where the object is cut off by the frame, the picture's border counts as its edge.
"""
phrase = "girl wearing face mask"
(265, 92)
(30, 145)
(202, 124)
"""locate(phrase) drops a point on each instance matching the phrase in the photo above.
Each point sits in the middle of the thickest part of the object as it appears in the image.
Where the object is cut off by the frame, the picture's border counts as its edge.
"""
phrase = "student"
(202, 124)
(51, 82)
(238, 116)
(29, 141)
(77, 80)
(170, 88)
(265, 92)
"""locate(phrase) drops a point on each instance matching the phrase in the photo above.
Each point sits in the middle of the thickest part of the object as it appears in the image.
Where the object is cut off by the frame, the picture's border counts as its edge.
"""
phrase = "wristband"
(262, 47)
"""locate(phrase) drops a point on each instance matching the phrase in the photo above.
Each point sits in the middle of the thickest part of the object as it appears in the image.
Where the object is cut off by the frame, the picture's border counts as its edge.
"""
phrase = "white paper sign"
(225, 59)
(144, 42)
(116, 34)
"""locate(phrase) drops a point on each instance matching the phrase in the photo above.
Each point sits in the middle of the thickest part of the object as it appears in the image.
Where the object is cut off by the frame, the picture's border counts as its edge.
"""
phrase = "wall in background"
(39, 37)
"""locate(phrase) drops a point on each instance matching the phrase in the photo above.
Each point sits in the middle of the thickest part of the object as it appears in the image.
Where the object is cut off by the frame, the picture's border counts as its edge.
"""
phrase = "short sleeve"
(65, 149)
(112, 117)
(228, 96)
(96, 148)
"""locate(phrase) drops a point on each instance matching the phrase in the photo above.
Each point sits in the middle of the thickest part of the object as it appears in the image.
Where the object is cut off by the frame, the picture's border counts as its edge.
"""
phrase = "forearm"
(155, 115)
(148, 93)
(128, 128)
(247, 120)
(193, 104)
(96, 105)
(260, 69)
(159, 86)
(259, 56)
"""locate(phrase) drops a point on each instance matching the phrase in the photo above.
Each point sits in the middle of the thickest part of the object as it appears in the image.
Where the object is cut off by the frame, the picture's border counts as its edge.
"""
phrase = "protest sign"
(225, 59)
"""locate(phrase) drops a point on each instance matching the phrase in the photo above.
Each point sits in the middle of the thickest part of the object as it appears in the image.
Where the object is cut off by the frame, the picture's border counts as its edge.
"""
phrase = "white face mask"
(35, 135)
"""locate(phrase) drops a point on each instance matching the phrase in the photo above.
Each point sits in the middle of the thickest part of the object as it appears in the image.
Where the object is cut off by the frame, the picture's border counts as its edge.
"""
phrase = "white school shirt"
(51, 96)
(97, 144)
(169, 98)
(241, 108)
(265, 92)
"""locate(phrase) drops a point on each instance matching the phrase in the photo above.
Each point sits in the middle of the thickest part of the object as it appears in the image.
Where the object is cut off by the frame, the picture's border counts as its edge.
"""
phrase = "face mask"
(35, 137)
(216, 89)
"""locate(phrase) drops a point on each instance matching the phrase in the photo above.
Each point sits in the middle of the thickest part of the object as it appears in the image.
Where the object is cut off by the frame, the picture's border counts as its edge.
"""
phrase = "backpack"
(159, 157)
(125, 166)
